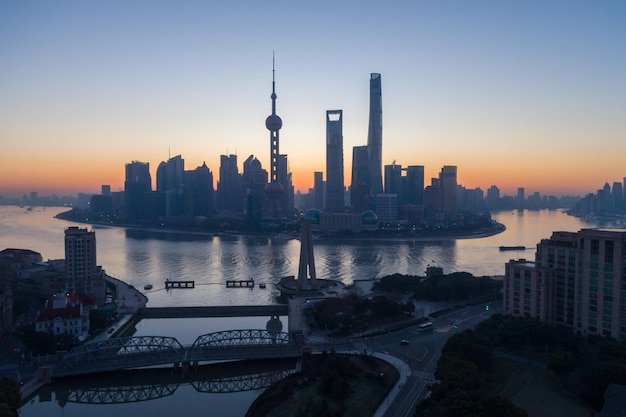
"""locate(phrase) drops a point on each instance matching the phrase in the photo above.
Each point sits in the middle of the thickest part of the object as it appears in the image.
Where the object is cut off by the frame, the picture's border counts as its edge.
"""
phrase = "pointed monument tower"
(307, 261)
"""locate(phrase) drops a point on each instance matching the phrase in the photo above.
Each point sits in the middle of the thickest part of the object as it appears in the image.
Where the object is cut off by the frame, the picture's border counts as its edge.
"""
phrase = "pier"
(179, 284)
(246, 283)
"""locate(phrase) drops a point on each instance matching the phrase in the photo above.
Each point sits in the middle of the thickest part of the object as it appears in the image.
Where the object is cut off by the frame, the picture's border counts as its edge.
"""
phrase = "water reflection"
(151, 384)
(170, 236)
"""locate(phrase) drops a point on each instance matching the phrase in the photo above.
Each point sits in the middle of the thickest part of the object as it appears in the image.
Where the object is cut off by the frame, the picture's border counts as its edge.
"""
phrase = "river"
(142, 257)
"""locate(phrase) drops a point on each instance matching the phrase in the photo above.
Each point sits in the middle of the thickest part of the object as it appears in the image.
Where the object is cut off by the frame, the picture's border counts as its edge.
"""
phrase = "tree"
(9, 397)
(97, 321)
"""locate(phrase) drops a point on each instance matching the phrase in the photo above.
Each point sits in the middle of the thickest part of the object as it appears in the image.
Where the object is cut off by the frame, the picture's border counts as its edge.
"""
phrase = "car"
(404, 342)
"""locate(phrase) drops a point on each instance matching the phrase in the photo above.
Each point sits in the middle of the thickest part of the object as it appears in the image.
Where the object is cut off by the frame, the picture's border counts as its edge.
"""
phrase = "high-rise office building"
(387, 208)
(375, 135)
(617, 197)
(198, 194)
(318, 187)
(521, 198)
(393, 179)
(359, 185)
(447, 180)
(286, 198)
(82, 274)
(335, 187)
(170, 180)
(169, 174)
(253, 172)
(137, 187)
(577, 280)
(229, 194)
(492, 201)
(393, 185)
(415, 184)
(254, 181)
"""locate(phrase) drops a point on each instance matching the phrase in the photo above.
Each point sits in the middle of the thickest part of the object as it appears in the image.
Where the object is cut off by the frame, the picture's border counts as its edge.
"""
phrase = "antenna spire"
(273, 85)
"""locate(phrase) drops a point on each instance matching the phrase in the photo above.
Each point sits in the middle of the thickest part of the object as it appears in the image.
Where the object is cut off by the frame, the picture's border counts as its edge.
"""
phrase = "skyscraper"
(447, 178)
(284, 178)
(169, 181)
(492, 201)
(254, 182)
(521, 199)
(393, 179)
(359, 185)
(274, 188)
(334, 162)
(318, 187)
(617, 196)
(229, 194)
(415, 184)
(137, 185)
(375, 135)
(170, 174)
(198, 192)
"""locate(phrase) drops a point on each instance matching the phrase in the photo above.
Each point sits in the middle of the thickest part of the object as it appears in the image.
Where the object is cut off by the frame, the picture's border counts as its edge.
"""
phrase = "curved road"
(422, 352)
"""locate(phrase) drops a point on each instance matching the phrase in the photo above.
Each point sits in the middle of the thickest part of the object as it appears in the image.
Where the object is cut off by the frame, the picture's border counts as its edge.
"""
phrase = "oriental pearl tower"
(274, 189)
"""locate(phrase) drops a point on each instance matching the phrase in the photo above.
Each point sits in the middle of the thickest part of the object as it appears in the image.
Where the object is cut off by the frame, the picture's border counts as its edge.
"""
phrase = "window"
(608, 251)
(595, 246)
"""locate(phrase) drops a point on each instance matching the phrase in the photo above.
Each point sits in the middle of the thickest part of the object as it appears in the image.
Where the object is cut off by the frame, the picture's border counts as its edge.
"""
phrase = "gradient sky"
(515, 93)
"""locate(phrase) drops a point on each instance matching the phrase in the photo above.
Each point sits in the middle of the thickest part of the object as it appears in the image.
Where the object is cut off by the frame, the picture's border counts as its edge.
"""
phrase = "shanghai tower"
(375, 136)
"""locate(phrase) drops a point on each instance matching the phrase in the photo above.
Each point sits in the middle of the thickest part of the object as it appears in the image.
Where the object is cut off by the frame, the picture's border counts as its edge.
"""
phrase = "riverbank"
(329, 384)
(431, 235)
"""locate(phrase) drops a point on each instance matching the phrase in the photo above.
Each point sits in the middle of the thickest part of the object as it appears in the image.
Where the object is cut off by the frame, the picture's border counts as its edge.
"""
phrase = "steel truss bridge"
(145, 392)
(158, 351)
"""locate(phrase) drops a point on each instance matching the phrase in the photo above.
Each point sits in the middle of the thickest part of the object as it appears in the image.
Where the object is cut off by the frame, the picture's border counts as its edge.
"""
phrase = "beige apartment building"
(577, 280)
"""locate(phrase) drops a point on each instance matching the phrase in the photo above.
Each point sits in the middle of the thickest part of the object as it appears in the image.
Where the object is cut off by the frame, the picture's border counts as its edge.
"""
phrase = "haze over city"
(517, 94)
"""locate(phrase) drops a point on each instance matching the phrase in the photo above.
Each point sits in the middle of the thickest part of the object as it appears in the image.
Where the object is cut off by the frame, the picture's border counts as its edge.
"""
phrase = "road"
(422, 352)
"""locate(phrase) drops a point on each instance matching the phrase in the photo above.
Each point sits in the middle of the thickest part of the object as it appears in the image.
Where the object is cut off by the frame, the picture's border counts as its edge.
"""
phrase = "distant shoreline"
(495, 229)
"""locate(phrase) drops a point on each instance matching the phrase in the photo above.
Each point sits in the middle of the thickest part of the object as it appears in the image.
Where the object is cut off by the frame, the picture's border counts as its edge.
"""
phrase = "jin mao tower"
(375, 135)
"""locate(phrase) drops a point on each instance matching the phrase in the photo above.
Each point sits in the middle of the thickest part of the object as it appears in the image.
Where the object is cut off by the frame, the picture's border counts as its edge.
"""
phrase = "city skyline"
(514, 94)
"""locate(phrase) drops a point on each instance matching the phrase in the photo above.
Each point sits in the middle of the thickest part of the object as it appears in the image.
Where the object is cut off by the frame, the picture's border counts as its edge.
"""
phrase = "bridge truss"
(149, 351)
(120, 353)
(144, 392)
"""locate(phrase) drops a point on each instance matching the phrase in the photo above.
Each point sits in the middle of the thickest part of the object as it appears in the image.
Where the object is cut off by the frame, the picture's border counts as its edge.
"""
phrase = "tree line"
(457, 286)
(585, 365)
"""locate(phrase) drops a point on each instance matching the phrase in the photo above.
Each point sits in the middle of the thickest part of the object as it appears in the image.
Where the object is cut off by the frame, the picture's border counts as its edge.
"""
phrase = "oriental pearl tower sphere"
(274, 189)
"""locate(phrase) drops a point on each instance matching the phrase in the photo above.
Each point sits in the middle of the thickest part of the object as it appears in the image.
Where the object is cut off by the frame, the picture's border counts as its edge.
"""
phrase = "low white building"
(66, 314)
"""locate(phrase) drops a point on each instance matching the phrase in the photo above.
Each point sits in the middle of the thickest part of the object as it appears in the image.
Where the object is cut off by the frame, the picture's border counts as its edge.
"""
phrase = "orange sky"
(89, 87)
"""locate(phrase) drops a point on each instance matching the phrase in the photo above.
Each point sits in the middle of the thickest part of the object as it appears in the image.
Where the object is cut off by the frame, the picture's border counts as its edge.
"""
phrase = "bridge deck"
(212, 311)
(149, 351)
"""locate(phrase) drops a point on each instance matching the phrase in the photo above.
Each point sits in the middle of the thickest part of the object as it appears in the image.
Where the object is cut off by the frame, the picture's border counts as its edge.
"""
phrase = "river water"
(142, 257)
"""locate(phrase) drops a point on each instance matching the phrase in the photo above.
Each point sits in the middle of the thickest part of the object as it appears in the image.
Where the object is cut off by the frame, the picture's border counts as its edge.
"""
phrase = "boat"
(262, 285)
(147, 287)
(503, 248)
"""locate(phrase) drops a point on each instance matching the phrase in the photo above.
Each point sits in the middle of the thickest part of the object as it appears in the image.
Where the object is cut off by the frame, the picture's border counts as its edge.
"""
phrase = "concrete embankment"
(44, 376)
